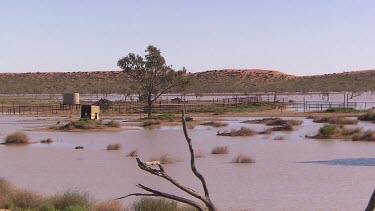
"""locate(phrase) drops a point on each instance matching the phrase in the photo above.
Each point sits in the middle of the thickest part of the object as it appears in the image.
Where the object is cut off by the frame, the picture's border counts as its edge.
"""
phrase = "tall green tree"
(153, 75)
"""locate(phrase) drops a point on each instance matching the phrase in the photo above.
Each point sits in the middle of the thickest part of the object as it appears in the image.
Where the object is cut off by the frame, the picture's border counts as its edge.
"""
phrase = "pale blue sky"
(301, 37)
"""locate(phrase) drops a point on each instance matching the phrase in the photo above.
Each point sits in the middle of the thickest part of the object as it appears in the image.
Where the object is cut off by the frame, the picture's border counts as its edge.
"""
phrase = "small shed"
(90, 112)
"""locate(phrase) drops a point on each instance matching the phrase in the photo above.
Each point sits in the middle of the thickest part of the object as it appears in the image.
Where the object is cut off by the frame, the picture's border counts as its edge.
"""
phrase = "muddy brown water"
(291, 174)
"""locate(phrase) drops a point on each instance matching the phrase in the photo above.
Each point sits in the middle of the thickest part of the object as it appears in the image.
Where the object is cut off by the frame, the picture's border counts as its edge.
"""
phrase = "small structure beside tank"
(90, 112)
(71, 99)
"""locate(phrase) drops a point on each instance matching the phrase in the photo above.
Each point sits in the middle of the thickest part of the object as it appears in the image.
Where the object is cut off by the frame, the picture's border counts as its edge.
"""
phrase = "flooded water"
(291, 174)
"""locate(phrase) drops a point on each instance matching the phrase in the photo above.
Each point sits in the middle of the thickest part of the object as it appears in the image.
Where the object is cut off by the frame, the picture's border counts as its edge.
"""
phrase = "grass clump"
(327, 130)
(261, 121)
(154, 204)
(84, 124)
(46, 141)
(81, 200)
(243, 131)
(109, 206)
(112, 123)
(336, 120)
(215, 124)
(133, 153)
(241, 158)
(115, 146)
(279, 122)
(79, 147)
(150, 122)
(220, 150)
(366, 136)
(342, 110)
(369, 116)
(16, 138)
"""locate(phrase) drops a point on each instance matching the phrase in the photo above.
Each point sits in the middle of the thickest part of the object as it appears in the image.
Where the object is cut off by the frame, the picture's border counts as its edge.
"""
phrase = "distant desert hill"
(212, 81)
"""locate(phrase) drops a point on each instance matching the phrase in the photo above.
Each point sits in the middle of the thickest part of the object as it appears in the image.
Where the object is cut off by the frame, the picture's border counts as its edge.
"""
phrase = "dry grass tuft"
(46, 141)
(109, 206)
(115, 146)
(277, 121)
(243, 131)
(241, 158)
(220, 150)
(366, 136)
(17, 138)
(198, 155)
(336, 120)
(150, 122)
(279, 138)
(112, 123)
(215, 124)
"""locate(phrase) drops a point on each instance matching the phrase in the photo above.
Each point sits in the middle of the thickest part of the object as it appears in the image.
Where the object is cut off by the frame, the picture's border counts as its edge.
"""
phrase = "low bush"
(112, 123)
(16, 138)
(260, 121)
(151, 122)
(369, 116)
(277, 121)
(153, 204)
(366, 136)
(220, 150)
(22, 199)
(327, 130)
(46, 141)
(79, 147)
(109, 206)
(243, 131)
(336, 120)
(241, 158)
(73, 198)
(279, 138)
(116, 146)
(84, 124)
(198, 155)
(215, 124)
(342, 110)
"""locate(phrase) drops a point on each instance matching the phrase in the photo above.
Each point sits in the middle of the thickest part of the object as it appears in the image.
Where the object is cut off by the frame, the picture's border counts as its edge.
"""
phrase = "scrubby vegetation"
(342, 110)
(329, 131)
(369, 116)
(243, 131)
(242, 158)
(215, 124)
(220, 150)
(274, 121)
(115, 146)
(112, 123)
(150, 122)
(239, 109)
(16, 138)
(335, 120)
(84, 124)
(17, 199)
(46, 141)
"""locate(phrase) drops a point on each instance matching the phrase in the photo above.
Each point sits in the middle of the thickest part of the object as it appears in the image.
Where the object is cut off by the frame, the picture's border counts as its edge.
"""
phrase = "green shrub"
(327, 130)
(83, 124)
(76, 208)
(16, 138)
(154, 204)
(47, 207)
(342, 110)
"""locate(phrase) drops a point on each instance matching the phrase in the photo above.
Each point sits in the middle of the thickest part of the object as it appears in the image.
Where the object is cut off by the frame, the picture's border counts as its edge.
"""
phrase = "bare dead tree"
(371, 203)
(160, 172)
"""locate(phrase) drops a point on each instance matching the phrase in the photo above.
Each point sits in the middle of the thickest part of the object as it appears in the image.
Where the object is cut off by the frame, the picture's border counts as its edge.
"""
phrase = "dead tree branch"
(160, 172)
(371, 203)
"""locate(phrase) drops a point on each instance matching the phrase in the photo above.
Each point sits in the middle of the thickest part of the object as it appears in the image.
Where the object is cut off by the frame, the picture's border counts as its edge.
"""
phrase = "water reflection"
(346, 162)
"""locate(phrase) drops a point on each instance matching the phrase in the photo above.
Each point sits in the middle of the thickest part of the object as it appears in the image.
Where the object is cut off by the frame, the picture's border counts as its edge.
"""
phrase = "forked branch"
(160, 172)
